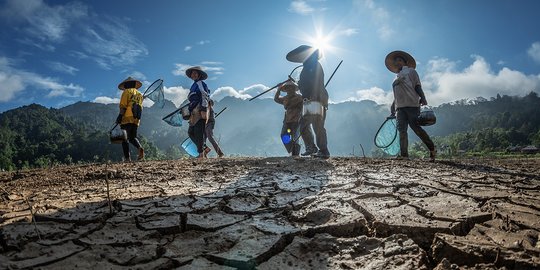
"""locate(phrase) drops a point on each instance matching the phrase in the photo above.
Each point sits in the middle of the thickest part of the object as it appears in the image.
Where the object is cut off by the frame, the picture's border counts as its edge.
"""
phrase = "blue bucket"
(286, 138)
(190, 147)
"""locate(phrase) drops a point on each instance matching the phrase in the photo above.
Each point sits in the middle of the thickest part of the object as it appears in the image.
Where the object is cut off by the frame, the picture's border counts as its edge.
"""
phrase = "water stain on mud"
(273, 213)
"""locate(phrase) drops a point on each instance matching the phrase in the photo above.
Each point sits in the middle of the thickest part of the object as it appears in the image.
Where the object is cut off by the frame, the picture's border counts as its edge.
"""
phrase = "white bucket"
(312, 108)
(117, 135)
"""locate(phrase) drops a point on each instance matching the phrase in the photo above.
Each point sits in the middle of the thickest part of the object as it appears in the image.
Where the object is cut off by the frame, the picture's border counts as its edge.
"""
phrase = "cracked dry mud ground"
(274, 213)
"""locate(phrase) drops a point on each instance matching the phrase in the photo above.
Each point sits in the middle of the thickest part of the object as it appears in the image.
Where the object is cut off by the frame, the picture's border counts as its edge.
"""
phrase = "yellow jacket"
(129, 97)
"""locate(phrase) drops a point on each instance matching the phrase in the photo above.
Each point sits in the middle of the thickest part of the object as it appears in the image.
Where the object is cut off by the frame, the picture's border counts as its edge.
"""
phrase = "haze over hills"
(251, 128)
(36, 136)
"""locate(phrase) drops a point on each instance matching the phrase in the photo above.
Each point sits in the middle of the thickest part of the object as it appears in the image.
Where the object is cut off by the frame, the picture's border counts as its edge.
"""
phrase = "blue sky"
(57, 52)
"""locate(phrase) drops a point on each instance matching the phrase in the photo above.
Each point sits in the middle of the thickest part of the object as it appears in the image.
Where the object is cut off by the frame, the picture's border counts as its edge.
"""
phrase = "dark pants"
(131, 130)
(196, 134)
(317, 121)
(209, 132)
(292, 147)
(408, 116)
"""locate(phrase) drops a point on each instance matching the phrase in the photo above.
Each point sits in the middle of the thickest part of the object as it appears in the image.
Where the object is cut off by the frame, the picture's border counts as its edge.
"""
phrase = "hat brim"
(288, 88)
(300, 54)
(138, 84)
(203, 74)
(390, 64)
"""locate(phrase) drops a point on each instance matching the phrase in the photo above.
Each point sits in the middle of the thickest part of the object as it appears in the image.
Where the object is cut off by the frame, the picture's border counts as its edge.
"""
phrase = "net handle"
(175, 111)
(148, 88)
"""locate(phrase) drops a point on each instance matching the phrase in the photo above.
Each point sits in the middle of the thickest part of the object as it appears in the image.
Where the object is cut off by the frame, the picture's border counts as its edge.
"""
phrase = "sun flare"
(321, 40)
(322, 43)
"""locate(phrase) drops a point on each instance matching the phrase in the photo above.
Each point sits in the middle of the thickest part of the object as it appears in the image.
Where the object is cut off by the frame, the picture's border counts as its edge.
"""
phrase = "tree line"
(35, 136)
(496, 125)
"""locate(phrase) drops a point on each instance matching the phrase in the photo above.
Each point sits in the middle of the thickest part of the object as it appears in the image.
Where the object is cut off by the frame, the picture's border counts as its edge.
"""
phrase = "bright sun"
(319, 39)
(322, 43)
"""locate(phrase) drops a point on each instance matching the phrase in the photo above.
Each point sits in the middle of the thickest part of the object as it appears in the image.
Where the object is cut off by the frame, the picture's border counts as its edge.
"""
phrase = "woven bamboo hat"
(389, 60)
(288, 86)
(300, 54)
(138, 84)
(203, 74)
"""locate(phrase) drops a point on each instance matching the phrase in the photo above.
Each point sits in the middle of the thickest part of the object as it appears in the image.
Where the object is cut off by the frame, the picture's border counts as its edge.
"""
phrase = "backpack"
(136, 106)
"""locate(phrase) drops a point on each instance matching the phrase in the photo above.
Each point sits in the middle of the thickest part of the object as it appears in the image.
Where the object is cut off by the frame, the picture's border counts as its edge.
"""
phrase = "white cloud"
(110, 43)
(10, 85)
(42, 21)
(348, 32)
(245, 93)
(180, 69)
(176, 94)
(106, 100)
(380, 16)
(13, 81)
(227, 91)
(534, 51)
(109, 100)
(107, 41)
(369, 4)
(442, 83)
(139, 76)
(385, 32)
(190, 47)
(300, 7)
(210, 67)
(374, 93)
(61, 67)
(78, 55)
(38, 44)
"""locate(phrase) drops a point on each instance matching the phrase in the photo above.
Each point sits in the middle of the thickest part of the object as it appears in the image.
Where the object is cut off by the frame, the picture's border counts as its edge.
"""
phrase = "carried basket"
(117, 135)
(427, 117)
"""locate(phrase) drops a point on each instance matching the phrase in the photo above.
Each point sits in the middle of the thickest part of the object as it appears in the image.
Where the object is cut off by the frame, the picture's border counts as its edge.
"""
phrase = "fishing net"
(155, 93)
(386, 137)
(175, 118)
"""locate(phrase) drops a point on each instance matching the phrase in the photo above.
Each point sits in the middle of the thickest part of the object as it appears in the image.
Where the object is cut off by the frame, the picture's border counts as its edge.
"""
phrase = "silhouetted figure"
(408, 97)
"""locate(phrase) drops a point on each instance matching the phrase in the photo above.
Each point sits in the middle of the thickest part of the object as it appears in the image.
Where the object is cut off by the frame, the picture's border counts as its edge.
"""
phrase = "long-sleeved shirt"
(404, 86)
(293, 106)
(198, 95)
(311, 82)
(129, 97)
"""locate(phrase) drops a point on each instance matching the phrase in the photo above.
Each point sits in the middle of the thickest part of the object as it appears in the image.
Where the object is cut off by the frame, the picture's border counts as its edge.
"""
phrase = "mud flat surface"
(274, 213)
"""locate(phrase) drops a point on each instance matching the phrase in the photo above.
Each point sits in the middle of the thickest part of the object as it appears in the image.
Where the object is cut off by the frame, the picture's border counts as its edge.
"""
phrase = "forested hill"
(37, 136)
(102, 117)
(492, 125)
(507, 112)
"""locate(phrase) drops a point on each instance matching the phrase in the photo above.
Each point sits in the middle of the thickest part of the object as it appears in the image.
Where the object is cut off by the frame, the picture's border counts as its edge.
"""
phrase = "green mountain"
(102, 117)
(34, 136)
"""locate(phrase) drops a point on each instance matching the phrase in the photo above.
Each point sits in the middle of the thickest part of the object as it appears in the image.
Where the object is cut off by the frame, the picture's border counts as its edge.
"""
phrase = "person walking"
(311, 85)
(129, 117)
(292, 102)
(408, 97)
(209, 130)
(198, 103)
